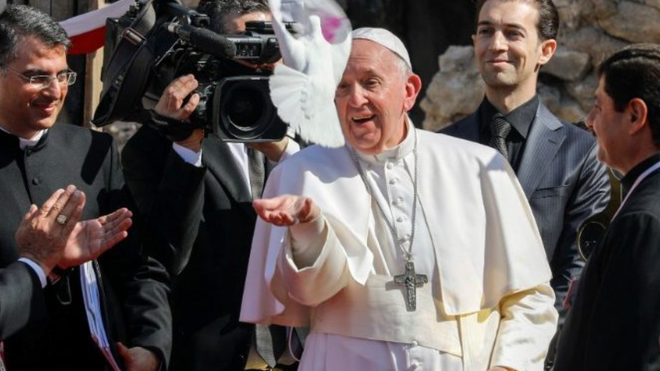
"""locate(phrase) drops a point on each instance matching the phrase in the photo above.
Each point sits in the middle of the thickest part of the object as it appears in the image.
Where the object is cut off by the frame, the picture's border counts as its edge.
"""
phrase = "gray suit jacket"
(564, 184)
(21, 297)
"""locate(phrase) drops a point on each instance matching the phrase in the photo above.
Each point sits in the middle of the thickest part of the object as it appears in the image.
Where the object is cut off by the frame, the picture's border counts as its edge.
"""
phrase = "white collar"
(22, 142)
(395, 153)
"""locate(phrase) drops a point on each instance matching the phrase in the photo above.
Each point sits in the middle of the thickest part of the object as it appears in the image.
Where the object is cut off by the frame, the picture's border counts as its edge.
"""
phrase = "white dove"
(303, 88)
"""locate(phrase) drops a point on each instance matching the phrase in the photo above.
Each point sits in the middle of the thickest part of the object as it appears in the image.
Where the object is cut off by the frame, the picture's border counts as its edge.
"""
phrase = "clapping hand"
(91, 238)
(54, 235)
(44, 232)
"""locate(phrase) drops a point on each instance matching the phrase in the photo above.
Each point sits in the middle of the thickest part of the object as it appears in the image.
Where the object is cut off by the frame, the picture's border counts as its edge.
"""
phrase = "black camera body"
(234, 95)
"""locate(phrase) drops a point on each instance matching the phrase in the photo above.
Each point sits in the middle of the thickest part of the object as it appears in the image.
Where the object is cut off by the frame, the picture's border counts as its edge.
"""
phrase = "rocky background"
(590, 31)
(427, 27)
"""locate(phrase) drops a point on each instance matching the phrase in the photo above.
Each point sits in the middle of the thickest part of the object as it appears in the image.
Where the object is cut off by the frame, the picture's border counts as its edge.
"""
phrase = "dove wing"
(303, 88)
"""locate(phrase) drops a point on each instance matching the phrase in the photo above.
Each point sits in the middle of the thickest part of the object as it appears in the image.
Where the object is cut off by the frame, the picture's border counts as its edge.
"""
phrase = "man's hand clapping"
(53, 235)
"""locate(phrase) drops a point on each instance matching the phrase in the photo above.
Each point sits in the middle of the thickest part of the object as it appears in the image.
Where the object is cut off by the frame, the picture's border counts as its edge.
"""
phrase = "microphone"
(204, 40)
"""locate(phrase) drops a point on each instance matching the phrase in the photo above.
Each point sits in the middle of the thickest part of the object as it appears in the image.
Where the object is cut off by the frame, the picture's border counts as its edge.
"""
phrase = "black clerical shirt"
(520, 119)
(629, 179)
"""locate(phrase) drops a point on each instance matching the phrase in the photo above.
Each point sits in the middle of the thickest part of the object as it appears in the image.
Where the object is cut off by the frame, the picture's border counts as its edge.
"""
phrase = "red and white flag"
(87, 31)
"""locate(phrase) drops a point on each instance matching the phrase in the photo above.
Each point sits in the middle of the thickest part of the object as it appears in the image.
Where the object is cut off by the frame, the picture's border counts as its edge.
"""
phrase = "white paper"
(90, 291)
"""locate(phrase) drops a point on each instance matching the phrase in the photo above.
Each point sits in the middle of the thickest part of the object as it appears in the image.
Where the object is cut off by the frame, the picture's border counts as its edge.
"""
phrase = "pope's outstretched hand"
(287, 210)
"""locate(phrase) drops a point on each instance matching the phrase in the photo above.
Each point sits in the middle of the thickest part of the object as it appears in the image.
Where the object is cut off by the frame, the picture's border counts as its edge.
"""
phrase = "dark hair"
(217, 10)
(20, 21)
(548, 23)
(634, 72)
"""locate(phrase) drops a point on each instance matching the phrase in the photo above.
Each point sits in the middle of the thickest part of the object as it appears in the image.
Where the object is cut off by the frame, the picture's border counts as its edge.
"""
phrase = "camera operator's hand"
(173, 104)
(272, 150)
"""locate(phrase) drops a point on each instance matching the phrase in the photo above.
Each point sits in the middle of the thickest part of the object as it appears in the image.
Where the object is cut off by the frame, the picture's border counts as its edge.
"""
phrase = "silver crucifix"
(411, 280)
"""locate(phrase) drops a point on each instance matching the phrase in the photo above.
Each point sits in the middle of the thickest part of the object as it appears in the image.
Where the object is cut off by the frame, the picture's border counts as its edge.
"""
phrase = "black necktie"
(257, 172)
(499, 129)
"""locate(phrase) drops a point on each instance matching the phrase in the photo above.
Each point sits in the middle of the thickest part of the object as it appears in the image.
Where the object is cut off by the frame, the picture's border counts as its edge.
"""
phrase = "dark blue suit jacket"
(564, 184)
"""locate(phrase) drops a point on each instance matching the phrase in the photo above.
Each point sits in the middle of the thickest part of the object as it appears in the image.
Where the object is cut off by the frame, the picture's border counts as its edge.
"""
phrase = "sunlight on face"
(24, 108)
(373, 97)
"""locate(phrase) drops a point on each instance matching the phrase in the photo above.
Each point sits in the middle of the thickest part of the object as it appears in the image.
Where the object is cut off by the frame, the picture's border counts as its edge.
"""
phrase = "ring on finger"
(61, 219)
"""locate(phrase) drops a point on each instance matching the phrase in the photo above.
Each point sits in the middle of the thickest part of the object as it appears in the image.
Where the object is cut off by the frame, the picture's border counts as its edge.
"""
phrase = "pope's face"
(507, 46)
(24, 108)
(373, 97)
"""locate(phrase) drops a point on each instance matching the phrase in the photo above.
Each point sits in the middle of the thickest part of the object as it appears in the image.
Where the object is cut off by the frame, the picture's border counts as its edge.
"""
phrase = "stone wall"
(427, 27)
(590, 31)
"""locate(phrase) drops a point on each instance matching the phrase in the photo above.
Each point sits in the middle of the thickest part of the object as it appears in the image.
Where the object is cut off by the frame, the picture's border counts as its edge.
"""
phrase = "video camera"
(157, 41)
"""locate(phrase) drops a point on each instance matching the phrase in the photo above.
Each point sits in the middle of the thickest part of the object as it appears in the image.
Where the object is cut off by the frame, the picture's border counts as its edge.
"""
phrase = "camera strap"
(173, 129)
(128, 70)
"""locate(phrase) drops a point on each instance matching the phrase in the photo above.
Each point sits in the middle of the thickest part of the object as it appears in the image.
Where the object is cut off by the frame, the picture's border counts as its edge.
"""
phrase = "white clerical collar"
(22, 142)
(32, 141)
(395, 153)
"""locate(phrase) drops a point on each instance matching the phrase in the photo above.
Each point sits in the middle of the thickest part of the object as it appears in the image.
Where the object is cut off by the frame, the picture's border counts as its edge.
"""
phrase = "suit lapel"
(545, 139)
(220, 162)
(467, 129)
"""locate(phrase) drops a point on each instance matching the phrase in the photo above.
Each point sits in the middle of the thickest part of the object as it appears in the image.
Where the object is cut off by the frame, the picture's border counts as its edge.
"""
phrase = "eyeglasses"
(44, 81)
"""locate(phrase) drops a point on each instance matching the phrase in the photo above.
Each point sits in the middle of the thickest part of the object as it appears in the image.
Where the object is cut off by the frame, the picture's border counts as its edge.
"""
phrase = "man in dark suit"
(555, 162)
(38, 157)
(614, 322)
(51, 238)
(198, 194)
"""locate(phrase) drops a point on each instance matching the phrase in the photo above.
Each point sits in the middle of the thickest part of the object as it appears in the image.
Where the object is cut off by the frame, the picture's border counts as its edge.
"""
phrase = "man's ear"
(548, 49)
(637, 113)
(413, 87)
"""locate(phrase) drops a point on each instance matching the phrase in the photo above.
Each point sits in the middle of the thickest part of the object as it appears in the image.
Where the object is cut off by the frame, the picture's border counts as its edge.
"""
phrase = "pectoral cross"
(411, 280)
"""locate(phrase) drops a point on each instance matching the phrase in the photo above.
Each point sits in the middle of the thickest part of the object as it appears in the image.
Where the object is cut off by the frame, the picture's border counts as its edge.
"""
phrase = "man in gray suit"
(555, 162)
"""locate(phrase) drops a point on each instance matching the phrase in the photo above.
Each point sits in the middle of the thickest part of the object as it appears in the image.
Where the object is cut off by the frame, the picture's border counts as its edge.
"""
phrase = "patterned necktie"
(256, 172)
(270, 342)
(499, 129)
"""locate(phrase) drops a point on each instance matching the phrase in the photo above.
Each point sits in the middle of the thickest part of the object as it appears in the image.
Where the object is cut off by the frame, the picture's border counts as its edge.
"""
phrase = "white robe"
(487, 251)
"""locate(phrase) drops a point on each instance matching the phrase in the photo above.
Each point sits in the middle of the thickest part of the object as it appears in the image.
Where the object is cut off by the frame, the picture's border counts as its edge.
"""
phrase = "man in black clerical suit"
(555, 162)
(198, 194)
(51, 238)
(614, 322)
(38, 157)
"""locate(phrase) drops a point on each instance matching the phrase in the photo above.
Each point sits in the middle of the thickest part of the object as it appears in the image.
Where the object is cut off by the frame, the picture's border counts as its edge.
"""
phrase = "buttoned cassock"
(43, 333)
(492, 303)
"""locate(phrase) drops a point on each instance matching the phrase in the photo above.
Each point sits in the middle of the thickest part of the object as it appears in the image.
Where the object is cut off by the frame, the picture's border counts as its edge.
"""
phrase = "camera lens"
(243, 111)
(245, 107)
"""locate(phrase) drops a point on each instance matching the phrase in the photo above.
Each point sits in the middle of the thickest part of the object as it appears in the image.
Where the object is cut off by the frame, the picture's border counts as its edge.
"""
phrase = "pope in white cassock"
(403, 249)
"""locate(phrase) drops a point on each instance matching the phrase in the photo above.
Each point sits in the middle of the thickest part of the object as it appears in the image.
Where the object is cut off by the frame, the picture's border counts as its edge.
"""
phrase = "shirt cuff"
(307, 242)
(37, 269)
(188, 155)
(303, 234)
